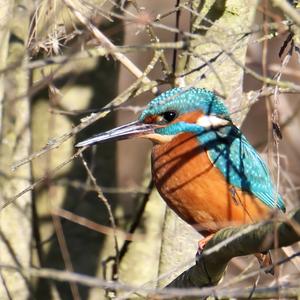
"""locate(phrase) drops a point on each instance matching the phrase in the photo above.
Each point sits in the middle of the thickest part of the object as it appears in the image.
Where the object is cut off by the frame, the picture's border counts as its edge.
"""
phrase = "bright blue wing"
(239, 162)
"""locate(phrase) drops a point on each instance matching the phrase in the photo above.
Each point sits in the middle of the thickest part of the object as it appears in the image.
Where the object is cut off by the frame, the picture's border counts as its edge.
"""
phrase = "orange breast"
(197, 191)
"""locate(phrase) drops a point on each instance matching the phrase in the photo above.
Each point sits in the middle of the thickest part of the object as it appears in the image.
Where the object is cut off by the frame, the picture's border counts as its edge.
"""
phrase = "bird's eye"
(169, 116)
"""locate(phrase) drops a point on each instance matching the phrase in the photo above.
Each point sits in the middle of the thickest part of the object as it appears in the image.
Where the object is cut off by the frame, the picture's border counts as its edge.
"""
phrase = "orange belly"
(197, 191)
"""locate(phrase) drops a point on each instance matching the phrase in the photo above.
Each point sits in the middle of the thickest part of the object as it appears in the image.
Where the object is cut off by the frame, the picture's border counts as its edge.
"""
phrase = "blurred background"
(65, 210)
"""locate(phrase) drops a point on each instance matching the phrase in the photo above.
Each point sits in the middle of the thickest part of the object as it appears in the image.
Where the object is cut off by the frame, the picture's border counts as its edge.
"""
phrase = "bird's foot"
(202, 243)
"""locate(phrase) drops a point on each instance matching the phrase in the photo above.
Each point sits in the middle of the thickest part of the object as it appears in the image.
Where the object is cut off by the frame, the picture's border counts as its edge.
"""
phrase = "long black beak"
(134, 129)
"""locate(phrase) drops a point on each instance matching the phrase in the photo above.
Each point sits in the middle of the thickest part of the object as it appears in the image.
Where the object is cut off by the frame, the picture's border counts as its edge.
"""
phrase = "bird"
(202, 165)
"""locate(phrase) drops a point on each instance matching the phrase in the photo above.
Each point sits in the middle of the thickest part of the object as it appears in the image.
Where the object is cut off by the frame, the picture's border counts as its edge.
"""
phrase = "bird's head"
(170, 114)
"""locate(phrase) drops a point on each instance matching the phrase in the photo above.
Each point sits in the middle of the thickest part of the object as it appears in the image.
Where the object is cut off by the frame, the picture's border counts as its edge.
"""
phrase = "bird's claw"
(201, 245)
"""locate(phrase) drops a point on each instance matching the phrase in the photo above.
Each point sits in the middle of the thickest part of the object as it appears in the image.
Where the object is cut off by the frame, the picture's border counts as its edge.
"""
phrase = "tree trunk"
(223, 76)
(15, 220)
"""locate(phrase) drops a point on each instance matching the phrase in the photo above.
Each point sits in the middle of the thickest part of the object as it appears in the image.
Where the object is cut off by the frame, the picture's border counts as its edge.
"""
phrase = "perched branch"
(237, 241)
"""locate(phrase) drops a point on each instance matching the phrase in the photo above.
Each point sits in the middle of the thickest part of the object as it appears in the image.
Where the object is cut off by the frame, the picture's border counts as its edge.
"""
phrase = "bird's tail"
(265, 261)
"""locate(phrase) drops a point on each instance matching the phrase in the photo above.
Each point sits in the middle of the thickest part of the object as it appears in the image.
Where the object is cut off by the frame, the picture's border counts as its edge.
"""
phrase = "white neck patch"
(211, 121)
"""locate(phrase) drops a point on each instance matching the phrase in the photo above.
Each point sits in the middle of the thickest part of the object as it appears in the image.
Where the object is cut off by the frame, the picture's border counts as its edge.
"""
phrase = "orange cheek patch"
(190, 117)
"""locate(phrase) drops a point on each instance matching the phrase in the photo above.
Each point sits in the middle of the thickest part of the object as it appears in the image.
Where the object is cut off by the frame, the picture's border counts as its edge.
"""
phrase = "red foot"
(202, 243)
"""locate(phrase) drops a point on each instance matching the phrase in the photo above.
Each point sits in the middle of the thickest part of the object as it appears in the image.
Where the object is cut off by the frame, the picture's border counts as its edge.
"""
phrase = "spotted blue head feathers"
(186, 100)
(176, 102)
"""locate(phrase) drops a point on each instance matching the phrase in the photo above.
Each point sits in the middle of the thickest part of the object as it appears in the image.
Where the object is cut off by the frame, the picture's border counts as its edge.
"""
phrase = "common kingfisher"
(202, 165)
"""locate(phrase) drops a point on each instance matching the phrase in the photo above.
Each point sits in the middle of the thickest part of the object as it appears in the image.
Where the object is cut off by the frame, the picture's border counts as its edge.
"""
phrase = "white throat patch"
(159, 138)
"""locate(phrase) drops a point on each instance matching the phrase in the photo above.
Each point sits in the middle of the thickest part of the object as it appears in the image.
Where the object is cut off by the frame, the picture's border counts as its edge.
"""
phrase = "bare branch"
(288, 10)
(95, 226)
(134, 89)
(106, 42)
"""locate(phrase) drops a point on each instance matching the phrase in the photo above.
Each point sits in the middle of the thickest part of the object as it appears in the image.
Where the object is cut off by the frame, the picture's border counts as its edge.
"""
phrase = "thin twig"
(55, 143)
(134, 89)
(39, 181)
(176, 36)
(136, 222)
(106, 42)
(288, 9)
(90, 281)
(104, 200)
(65, 254)
(95, 226)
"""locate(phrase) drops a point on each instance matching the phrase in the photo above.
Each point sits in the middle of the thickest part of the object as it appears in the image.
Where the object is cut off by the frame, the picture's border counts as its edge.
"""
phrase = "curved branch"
(238, 241)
